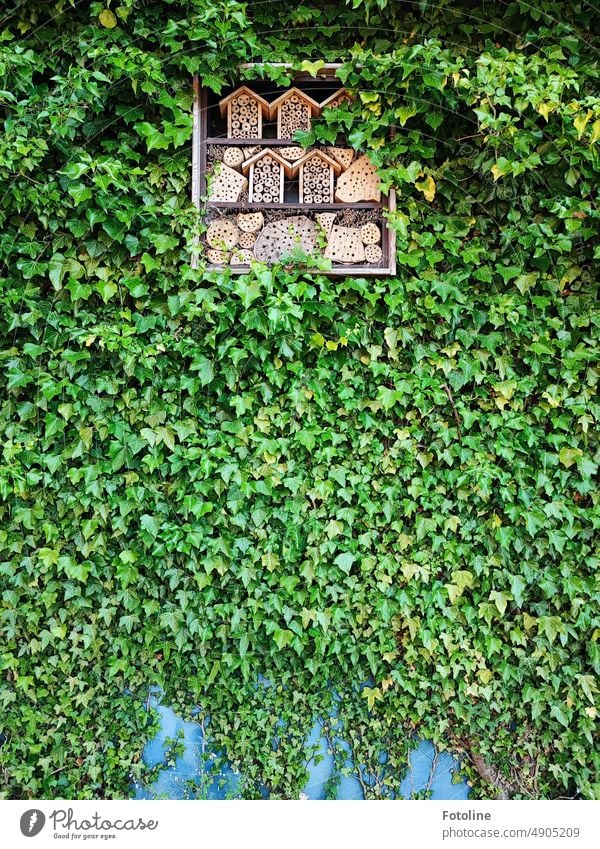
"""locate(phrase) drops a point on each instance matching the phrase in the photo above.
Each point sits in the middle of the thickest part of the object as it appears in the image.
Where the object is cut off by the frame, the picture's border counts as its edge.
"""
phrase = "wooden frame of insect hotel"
(265, 198)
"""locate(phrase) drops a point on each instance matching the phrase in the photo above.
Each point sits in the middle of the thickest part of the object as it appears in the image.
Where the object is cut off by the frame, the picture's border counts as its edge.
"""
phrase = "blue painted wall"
(190, 776)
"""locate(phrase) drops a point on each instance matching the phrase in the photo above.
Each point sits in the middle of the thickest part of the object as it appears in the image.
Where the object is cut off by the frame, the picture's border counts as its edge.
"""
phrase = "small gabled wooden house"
(245, 111)
(294, 110)
(316, 175)
(336, 99)
(266, 171)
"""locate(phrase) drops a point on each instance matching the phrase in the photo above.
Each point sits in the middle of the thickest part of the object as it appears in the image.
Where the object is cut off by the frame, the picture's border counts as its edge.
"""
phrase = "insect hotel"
(267, 199)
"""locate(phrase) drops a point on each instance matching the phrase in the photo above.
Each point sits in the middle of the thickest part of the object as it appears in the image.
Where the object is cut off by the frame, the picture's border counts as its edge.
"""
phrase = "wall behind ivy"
(206, 479)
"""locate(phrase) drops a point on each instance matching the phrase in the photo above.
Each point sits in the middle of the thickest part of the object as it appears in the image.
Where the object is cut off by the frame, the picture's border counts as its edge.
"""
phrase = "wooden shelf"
(301, 207)
(255, 142)
(335, 271)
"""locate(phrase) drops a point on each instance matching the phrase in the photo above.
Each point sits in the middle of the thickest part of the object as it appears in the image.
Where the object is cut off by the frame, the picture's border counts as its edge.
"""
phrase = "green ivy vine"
(208, 480)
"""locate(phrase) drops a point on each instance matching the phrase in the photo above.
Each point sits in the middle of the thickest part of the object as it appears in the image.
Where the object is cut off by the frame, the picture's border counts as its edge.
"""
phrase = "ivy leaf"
(454, 592)
(390, 334)
(270, 561)
(247, 292)
(57, 270)
(306, 438)
(345, 561)
(558, 713)
(107, 19)
(372, 695)
(501, 168)
(31, 268)
(205, 369)
(148, 524)
(107, 290)
(243, 645)
(545, 109)
(74, 570)
(569, 456)
(163, 243)
(282, 637)
(501, 600)
(589, 686)
(312, 68)
(581, 122)
(517, 588)
(427, 187)
(406, 112)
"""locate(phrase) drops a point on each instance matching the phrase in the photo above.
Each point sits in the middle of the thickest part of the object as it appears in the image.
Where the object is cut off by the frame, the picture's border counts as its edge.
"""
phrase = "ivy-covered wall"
(206, 479)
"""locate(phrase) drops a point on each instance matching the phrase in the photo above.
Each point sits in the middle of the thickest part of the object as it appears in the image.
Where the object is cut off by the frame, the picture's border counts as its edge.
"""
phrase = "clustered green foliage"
(209, 478)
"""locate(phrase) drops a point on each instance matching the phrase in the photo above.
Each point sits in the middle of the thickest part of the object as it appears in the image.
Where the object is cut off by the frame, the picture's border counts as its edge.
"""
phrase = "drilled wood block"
(226, 184)
(241, 256)
(250, 222)
(216, 257)
(233, 156)
(247, 240)
(370, 233)
(222, 234)
(343, 155)
(345, 245)
(360, 182)
(325, 221)
(291, 153)
(373, 254)
(279, 238)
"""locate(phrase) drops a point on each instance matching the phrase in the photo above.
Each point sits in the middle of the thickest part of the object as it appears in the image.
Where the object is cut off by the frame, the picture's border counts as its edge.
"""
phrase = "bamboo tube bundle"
(295, 115)
(317, 172)
(244, 109)
(244, 118)
(294, 110)
(337, 99)
(266, 179)
(266, 174)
